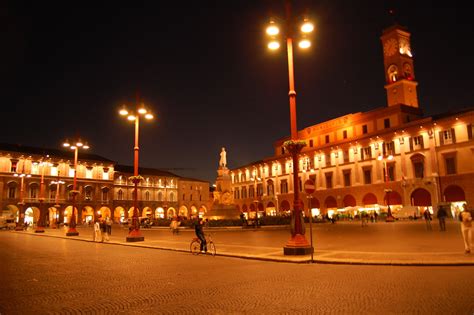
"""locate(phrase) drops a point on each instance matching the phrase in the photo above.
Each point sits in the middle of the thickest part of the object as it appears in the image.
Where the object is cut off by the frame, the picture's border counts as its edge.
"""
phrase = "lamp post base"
(390, 219)
(297, 245)
(72, 232)
(135, 236)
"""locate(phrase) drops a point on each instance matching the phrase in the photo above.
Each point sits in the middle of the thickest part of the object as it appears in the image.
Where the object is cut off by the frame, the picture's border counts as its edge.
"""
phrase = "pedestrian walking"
(364, 218)
(103, 230)
(97, 233)
(174, 225)
(375, 216)
(466, 228)
(441, 215)
(108, 222)
(427, 216)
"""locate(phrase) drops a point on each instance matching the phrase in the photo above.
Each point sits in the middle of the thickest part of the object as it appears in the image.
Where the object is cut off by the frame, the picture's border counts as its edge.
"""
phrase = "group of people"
(102, 229)
(465, 218)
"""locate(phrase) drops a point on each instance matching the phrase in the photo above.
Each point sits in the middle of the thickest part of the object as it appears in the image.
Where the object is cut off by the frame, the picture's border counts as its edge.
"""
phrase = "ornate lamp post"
(42, 217)
(390, 217)
(21, 203)
(56, 203)
(135, 235)
(256, 200)
(297, 244)
(75, 145)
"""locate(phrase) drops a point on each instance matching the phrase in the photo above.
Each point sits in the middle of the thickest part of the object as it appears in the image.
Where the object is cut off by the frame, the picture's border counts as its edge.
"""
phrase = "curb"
(280, 260)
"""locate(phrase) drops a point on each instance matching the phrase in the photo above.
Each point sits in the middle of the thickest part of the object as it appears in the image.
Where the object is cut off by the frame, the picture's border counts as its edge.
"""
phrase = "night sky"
(204, 69)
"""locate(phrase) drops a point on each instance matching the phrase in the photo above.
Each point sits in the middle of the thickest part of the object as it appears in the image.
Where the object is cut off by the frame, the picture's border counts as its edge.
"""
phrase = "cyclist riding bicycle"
(200, 234)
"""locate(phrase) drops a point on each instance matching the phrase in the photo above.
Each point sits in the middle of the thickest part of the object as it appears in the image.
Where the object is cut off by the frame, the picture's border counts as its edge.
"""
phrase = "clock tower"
(398, 64)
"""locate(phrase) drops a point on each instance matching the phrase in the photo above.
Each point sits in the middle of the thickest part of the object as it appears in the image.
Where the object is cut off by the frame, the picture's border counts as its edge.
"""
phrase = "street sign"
(309, 186)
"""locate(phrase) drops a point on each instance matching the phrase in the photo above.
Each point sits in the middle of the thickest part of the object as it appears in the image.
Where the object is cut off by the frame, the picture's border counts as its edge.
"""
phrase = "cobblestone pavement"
(45, 275)
(400, 243)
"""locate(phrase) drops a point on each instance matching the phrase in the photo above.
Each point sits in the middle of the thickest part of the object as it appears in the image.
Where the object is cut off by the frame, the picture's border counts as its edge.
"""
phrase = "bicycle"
(195, 246)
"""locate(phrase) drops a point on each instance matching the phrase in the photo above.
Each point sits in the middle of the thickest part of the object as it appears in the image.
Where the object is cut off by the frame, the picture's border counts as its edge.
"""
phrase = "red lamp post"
(76, 145)
(42, 216)
(297, 244)
(389, 217)
(134, 234)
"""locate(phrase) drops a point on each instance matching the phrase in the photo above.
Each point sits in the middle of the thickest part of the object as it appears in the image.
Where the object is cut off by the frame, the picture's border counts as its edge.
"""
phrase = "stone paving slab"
(273, 253)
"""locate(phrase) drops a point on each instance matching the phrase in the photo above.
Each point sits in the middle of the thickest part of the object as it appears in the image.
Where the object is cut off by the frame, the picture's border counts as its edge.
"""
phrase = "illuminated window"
(105, 176)
(89, 172)
(171, 196)
(35, 168)
(71, 171)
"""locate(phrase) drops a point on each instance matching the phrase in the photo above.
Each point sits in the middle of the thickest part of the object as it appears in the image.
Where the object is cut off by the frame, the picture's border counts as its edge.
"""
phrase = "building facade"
(366, 161)
(36, 179)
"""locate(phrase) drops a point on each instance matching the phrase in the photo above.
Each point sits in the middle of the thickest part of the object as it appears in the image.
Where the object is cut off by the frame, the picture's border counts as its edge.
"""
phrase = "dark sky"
(204, 69)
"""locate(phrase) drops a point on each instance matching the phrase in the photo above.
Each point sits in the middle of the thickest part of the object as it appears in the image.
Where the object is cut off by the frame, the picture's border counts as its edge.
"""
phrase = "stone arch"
(88, 214)
(170, 213)
(285, 206)
(454, 193)
(105, 212)
(194, 210)
(147, 212)
(183, 211)
(369, 199)
(119, 214)
(159, 213)
(392, 198)
(420, 197)
(68, 214)
(349, 201)
(330, 202)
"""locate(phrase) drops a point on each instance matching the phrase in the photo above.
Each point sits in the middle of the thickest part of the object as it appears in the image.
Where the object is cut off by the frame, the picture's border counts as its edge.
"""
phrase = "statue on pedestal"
(223, 159)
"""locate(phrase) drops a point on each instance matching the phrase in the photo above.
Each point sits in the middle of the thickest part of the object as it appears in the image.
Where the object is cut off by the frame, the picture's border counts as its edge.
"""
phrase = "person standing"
(108, 222)
(97, 234)
(427, 216)
(103, 229)
(466, 228)
(441, 215)
(200, 234)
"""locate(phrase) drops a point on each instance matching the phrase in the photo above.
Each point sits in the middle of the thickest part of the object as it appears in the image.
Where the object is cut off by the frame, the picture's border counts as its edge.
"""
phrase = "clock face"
(390, 47)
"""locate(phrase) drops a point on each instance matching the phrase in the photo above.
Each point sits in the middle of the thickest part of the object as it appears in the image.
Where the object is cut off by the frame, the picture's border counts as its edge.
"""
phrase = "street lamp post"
(21, 203)
(297, 244)
(256, 178)
(75, 145)
(134, 234)
(57, 205)
(42, 217)
(387, 191)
